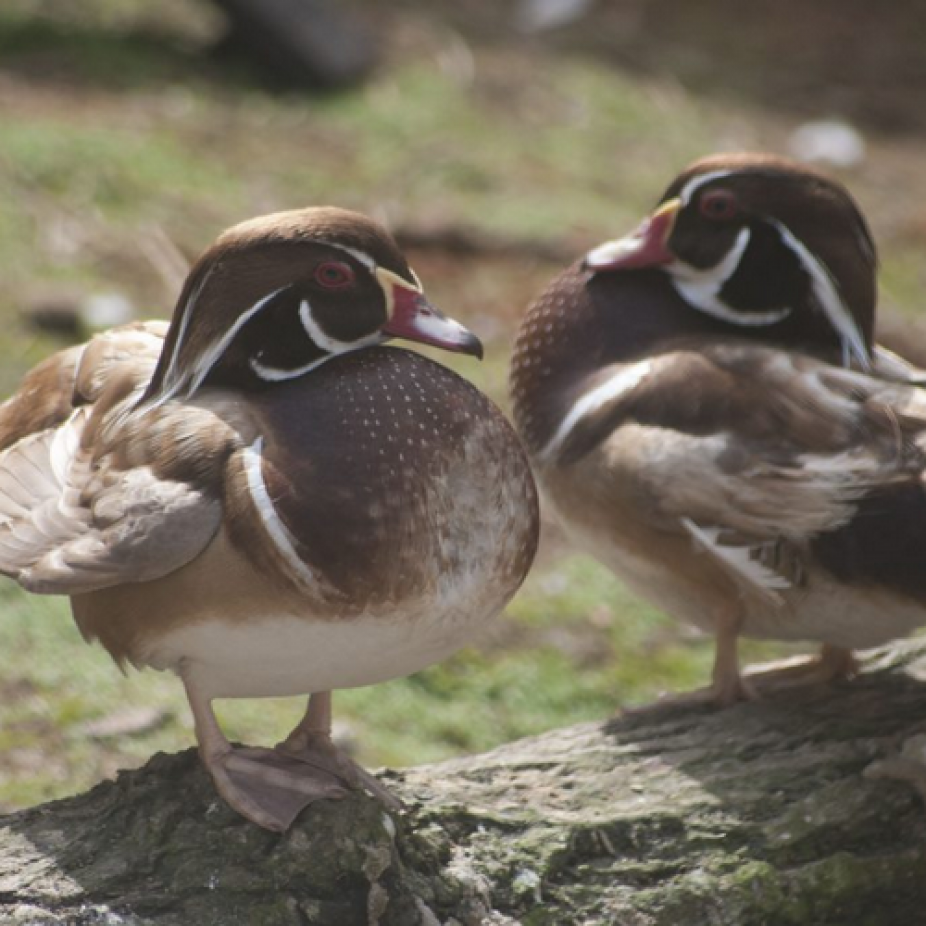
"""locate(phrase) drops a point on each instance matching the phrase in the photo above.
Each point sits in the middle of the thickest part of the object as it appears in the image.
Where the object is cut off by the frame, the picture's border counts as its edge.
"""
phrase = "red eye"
(334, 275)
(718, 205)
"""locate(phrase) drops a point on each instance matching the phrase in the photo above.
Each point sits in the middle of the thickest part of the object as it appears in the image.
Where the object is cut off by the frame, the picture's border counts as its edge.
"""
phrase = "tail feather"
(37, 507)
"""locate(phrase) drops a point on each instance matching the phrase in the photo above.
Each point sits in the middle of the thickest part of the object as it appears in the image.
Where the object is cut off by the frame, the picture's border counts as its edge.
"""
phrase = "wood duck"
(263, 499)
(707, 414)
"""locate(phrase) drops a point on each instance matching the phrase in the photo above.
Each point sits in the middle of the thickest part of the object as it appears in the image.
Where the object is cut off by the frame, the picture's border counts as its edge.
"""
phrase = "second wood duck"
(266, 501)
(708, 415)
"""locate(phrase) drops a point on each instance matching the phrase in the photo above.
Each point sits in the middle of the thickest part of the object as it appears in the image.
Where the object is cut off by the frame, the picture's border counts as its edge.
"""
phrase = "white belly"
(287, 655)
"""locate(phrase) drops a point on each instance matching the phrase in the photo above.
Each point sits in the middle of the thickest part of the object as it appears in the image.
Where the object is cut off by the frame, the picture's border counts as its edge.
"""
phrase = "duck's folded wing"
(74, 376)
(112, 495)
(757, 454)
(892, 366)
(71, 522)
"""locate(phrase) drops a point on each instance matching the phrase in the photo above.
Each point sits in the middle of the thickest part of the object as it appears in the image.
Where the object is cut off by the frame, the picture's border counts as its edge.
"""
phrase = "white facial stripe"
(622, 382)
(701, 288)
(277, 530)
(698, 181)
(191, 381)
(331, 345)
(175, 382)
(824, 289)
(326, 342)
(702, 293)
(210, 356)
(356, 253)
(713, 278)
(170, 373)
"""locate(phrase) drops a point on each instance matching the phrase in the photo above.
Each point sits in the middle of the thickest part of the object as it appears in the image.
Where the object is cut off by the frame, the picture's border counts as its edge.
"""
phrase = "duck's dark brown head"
(760, 242)
(276, 296)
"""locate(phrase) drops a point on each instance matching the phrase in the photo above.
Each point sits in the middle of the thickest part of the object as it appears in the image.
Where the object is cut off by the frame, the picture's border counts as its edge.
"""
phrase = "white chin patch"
(270, 374)
(325, 341)
(701, 288)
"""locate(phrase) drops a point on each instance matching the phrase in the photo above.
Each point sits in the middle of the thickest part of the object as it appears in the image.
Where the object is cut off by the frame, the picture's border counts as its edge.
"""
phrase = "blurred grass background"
(123, 136)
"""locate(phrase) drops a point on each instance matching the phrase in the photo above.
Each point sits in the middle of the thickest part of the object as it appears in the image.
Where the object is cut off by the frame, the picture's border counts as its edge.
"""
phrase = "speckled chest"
(385, 468)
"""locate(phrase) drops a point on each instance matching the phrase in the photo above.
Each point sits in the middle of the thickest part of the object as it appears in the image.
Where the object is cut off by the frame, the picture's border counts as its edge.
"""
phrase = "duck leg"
(728, 684)
(270, 787)
(310, 742)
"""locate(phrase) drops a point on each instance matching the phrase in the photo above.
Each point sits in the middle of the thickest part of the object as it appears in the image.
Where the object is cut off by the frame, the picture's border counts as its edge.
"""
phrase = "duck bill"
(648, 246)
(413, 318)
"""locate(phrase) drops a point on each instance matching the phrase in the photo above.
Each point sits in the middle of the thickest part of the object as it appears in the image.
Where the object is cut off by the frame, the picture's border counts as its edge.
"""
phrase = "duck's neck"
(578, 325)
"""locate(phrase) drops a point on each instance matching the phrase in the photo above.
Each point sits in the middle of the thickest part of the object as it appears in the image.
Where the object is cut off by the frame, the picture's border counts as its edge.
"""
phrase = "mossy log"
(767, 814)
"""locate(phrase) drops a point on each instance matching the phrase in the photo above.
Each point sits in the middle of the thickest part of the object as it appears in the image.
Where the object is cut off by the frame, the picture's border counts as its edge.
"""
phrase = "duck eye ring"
(718, 205)
(334, 274)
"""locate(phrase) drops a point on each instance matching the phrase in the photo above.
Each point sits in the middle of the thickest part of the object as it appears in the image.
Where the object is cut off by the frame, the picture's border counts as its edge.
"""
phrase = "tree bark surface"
(767, 814)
